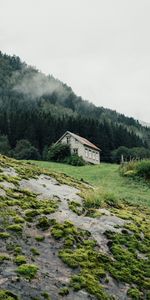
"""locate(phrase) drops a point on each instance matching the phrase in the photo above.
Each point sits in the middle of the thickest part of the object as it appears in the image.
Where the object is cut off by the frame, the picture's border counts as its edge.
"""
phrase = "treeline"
(42, 129)
(39, 109)
(124, 154)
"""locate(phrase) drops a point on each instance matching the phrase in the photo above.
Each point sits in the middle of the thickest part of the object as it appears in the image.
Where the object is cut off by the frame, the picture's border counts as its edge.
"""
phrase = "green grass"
(106, 177)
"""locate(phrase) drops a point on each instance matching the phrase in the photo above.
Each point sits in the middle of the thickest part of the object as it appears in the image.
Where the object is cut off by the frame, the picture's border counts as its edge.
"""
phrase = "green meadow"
(106, 177)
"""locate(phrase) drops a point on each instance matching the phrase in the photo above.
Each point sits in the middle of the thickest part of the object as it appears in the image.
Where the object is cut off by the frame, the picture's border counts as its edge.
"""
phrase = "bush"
(4, 145)
(116, 154)
(143, 169)
(25, 150)
(75, 160)
(136, 168)
(58, 152)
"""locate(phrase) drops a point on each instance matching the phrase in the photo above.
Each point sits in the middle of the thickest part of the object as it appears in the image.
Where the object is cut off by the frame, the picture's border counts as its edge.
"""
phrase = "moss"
(66, 230)
(40, 238)
(4, 235)
(35, 251)
(57, 233)
(34, 207)
(43, 223)
(75, 207)
(7, 295)
(67, 257)
(18, 220)
(79, 253)
(93, 213)
(134, 294)
(27, 271)
(3, 258)
(69, 242)
(11, 179)
(17, 250)
(20, 259)
(64, 291)
(87, 281)
(15, 228)
(31, 213)
(126, 266)
(46, 296)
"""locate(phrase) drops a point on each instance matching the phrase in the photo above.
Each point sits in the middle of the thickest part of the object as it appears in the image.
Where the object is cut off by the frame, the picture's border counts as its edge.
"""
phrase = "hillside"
(59, 241)
(40, 109)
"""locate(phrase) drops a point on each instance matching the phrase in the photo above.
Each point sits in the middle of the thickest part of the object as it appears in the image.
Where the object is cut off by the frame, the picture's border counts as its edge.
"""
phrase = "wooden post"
(122, 159)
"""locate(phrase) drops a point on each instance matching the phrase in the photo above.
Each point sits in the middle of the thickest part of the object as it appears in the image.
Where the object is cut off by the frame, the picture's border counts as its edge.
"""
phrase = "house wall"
(88, 154)
(91, 155)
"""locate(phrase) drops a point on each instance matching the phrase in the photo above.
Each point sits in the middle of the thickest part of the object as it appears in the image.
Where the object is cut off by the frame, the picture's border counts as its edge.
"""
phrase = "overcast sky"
(101, 48)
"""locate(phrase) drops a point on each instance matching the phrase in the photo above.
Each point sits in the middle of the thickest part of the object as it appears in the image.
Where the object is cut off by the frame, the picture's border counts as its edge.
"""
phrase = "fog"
(99, 48)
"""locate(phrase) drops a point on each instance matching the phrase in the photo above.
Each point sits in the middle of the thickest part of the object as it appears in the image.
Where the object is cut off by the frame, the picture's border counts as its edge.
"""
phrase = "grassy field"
(106, 177)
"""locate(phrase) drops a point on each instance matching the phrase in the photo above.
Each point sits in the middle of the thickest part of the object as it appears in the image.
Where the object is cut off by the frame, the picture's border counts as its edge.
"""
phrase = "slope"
(55, 246)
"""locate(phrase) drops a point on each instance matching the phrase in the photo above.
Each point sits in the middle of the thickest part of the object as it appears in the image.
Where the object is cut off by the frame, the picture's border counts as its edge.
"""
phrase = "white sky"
(101, 48)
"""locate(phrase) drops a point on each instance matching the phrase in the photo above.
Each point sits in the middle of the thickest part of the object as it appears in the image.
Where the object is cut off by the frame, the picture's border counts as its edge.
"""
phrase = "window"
(68, 139)
(97, 156)
(86, 153)
(75, 151)
(90, 154)
(93, 155)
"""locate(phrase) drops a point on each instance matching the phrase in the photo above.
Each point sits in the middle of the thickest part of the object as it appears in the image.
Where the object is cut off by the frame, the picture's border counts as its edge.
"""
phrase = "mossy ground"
(80, 252)
(21, 211)
(7, 295)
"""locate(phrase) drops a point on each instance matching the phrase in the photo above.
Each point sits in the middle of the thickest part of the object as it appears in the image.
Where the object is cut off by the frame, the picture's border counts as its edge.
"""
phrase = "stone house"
(81, 146)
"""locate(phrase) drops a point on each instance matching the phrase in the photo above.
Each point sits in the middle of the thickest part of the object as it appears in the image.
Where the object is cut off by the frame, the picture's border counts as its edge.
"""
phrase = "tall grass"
(98, 198)
(137, 168)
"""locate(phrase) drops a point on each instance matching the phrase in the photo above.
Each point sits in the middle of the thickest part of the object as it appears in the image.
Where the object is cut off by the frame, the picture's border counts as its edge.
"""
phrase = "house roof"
(81, 140)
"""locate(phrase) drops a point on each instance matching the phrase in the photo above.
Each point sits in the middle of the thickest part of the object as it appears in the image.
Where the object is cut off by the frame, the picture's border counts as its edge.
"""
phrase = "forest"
(35, 110)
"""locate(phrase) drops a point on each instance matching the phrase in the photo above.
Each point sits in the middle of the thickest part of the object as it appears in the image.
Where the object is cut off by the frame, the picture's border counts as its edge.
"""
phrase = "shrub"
(25, 150)
(116, 154)
(4, 145)
(58, 152)
(75, 160)
(143, 169)
(136, 168)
